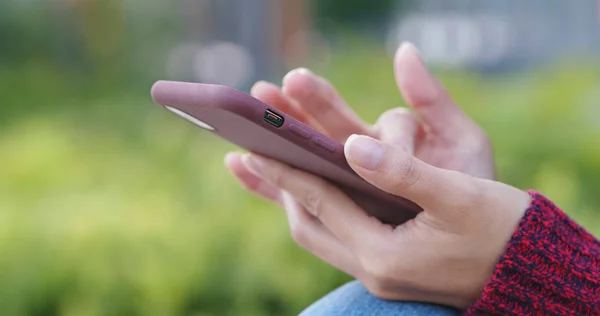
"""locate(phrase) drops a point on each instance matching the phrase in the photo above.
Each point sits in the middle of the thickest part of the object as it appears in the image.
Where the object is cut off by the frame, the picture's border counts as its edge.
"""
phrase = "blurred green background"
(111, 206)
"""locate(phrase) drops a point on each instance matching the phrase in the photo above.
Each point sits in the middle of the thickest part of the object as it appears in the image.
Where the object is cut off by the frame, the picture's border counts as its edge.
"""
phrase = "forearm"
(551, 266)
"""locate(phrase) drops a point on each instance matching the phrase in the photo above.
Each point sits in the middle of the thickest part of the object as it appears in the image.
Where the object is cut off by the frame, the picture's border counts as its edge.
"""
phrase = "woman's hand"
(445, 255)
(448, 252)
(437, 132)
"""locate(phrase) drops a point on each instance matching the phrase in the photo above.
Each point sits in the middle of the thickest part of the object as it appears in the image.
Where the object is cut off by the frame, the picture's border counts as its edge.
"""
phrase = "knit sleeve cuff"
(551, 267)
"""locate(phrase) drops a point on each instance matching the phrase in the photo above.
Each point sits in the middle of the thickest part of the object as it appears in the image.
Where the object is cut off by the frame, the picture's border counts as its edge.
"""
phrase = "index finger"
(320, 100)
(271, 94)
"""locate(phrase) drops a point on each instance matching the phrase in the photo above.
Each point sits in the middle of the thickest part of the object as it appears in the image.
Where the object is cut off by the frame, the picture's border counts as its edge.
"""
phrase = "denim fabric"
(353, 299)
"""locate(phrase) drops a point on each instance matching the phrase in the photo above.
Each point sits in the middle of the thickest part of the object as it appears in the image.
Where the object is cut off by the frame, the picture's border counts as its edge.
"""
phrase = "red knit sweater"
(551, 267)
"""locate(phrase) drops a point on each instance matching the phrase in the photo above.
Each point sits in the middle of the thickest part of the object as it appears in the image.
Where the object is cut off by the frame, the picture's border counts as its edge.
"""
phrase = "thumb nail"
(364, 151)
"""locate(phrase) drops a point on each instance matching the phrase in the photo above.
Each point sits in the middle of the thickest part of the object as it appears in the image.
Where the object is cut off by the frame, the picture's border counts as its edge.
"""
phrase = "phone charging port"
(273, 118)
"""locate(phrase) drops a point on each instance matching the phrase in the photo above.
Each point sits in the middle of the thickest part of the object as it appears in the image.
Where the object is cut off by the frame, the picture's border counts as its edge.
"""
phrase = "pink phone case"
(257, 127)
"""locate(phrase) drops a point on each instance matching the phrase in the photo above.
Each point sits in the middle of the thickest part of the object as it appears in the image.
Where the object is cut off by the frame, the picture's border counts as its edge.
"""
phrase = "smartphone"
(260, 128)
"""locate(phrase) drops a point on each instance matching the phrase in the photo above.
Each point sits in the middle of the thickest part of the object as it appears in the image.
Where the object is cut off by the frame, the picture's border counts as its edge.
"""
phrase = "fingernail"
(364, 151)
(230, 156)
(406, 48)
(304, 71)
(259, 82)
(256, 85)
(298, 71)
(254, 163)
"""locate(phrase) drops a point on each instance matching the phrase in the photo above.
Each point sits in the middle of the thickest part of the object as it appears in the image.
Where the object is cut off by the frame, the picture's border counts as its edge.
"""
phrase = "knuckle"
(376, 288)
(405, 174)
(313, 201)
(310, 95)
(378, 270)
(277, 178)
(299, 233)
(305, 95)
(439, 97)
(378, 278)
(327, 90)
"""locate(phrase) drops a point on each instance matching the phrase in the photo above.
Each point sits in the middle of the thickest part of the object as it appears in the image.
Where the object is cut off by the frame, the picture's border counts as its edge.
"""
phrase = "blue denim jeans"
(353, 299)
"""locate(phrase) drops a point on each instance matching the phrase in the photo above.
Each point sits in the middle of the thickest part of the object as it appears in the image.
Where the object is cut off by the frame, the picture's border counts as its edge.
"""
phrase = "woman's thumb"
(395, 171)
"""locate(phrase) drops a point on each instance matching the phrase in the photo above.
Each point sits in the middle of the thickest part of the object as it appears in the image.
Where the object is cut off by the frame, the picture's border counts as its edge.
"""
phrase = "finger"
(427, 96)
(398, 127)
(249, 181)
(342, 217)
(311, 235)
(321, 101)
(271, 94)
(395, 171)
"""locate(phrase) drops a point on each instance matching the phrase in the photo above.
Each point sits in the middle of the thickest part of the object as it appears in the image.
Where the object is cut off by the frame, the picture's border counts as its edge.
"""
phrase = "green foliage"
(106, 42)
(352, 13)
(110, 206)
(24, 29)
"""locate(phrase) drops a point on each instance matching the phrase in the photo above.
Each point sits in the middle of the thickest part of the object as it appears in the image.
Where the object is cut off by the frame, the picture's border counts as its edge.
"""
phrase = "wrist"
(504, 224)
(550, 267)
